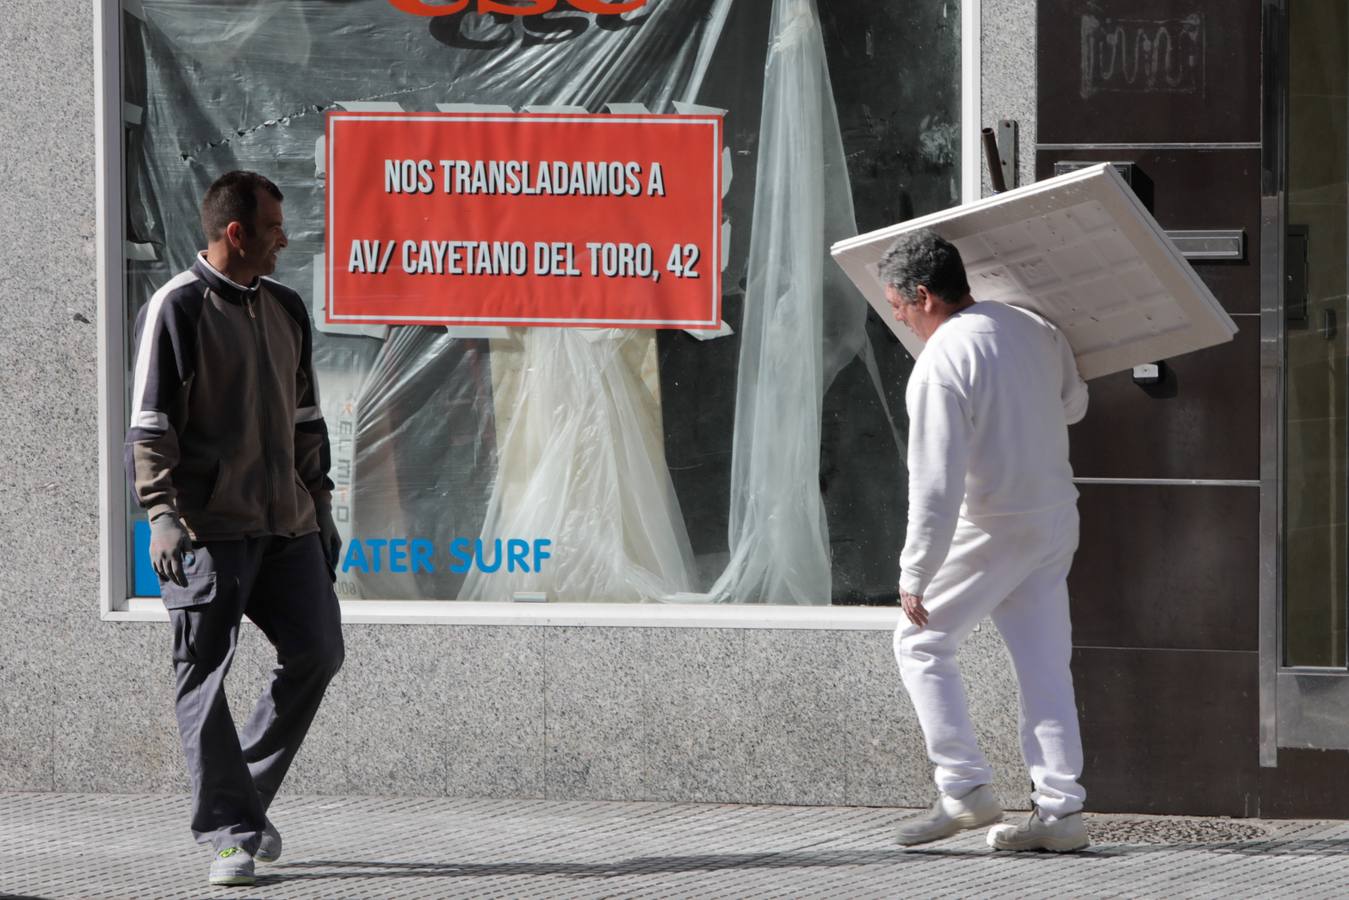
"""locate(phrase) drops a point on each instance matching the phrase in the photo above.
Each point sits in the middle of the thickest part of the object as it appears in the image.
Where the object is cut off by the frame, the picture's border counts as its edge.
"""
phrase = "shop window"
(763, 464)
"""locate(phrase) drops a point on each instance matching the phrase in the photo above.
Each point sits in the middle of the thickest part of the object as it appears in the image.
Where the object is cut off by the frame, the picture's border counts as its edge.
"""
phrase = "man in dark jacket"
(228, 454)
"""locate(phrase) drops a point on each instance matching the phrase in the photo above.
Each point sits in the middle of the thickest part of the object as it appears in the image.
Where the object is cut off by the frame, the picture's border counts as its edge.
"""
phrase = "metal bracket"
(1296, 276)
(1007, 152)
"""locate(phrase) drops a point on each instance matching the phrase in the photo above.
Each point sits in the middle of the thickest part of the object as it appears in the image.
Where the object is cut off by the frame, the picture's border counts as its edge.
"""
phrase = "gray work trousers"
(283, 586)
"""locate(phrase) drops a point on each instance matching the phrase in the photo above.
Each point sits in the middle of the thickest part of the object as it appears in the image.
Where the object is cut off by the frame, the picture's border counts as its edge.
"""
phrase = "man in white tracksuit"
(991, 532)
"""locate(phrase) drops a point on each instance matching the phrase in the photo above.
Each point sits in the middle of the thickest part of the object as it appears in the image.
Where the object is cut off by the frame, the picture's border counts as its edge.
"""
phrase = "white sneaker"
(1061, 836)
(949, 815)
(232, 866)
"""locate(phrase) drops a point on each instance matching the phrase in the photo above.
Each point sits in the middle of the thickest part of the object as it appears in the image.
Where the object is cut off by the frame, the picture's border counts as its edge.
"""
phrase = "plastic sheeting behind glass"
(802, 322)
(567, 435)
(583, 462)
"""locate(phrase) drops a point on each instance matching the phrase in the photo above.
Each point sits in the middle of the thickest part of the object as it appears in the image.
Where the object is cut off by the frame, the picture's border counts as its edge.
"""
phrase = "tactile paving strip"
(1178, 831)
(96, 846)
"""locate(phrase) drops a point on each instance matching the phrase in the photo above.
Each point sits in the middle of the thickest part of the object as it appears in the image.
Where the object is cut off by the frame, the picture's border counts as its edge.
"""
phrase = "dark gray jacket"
(225, 423)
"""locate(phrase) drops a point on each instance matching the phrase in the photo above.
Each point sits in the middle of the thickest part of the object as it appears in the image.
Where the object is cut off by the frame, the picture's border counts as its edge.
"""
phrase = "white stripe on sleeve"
(147, 339)
(156, 421)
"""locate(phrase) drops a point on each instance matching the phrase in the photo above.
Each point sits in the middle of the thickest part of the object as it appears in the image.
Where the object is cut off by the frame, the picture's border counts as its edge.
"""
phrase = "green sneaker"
(232, 866)
(269, 848)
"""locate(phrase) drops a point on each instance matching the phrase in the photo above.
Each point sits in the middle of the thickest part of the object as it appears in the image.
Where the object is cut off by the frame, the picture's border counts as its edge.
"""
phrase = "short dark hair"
(233, 197)
(924, 257)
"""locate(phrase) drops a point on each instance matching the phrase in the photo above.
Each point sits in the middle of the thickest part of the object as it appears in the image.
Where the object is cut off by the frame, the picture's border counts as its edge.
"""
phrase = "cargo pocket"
(198, 637)
(201, 582)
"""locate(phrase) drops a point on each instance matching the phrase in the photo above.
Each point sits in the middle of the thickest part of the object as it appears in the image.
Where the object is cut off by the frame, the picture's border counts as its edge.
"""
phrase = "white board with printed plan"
(1079, 249)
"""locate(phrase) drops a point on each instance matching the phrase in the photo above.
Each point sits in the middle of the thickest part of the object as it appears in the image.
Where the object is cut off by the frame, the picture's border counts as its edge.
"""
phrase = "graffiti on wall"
(1143, 56)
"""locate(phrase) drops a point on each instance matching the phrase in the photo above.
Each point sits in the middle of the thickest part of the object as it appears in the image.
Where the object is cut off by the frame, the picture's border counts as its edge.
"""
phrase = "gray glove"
(330, 539)
(168, 543)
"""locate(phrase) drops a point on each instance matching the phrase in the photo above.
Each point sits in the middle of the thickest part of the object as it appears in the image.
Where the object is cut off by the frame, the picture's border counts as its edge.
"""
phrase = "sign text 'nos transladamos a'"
(535, 219)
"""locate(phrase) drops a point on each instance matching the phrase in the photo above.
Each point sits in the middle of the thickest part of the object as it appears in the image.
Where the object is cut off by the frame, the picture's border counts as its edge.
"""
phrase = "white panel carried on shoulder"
(1082, 251)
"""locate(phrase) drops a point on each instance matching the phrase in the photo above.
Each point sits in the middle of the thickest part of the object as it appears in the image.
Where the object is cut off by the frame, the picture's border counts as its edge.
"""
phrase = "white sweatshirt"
(990, 400)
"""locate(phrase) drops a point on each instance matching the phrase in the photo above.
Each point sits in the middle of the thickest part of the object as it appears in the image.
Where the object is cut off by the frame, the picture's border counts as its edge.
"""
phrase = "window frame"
(110, 116)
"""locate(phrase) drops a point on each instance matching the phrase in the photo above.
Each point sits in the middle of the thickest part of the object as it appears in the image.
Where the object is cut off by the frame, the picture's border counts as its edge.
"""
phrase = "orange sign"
(537, 219)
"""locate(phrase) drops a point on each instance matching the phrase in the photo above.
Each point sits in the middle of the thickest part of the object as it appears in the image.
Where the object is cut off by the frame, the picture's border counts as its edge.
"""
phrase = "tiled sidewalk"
(79, 845)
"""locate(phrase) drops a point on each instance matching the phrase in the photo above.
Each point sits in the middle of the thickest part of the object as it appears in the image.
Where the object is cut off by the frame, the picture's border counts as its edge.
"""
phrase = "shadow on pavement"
(671, 865)
(665, 865)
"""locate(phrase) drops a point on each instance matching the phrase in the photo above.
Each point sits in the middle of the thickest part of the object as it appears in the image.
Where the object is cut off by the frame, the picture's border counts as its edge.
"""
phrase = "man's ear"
(923, 297)
(234, 234)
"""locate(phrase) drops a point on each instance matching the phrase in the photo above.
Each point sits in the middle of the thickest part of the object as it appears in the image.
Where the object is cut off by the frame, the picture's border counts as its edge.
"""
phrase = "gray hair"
(924, 257)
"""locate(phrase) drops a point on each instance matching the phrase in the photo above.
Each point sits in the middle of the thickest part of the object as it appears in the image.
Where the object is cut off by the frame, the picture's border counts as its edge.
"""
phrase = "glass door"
(1316, 400)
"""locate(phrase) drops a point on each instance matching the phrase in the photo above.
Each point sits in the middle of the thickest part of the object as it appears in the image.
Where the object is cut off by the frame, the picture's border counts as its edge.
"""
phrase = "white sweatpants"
(1014, 568)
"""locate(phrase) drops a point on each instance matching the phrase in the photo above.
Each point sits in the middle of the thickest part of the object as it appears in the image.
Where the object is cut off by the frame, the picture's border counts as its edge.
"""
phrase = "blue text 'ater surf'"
(411, 555)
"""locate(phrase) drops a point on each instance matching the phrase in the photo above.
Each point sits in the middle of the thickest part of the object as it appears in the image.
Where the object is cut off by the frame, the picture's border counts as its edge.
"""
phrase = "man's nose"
(284, 240)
